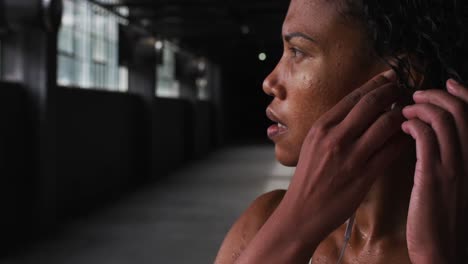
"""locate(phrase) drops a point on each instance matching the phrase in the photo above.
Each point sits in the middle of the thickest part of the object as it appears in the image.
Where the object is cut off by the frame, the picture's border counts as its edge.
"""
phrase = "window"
(88, 47)
(202, 82)
(181, 74)
(167, 85)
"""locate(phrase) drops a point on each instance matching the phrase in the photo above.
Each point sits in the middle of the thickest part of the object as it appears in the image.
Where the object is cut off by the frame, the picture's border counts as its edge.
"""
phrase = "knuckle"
(428, 134)
(389, 121)
(334, 144)
(319, 130)
(354, 97)
(459, 109)
(371, 99)
(444, 117)
(379, 81)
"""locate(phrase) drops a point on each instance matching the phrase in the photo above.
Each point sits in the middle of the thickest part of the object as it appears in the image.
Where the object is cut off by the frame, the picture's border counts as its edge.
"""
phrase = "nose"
(272, 86)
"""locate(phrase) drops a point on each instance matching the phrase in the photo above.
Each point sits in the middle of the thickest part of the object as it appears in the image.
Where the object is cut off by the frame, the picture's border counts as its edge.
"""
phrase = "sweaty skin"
(311, 77)
(326, 57)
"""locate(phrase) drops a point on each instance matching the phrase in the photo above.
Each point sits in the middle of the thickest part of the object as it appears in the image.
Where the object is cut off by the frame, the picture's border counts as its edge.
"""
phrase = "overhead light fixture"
(158, 45)
(201, 65)
(262, 56)
(245, 29)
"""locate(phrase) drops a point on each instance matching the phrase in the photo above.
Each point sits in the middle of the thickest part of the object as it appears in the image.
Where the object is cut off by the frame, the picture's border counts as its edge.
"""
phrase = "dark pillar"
(30, 57)
(142, 82)
(217, 99)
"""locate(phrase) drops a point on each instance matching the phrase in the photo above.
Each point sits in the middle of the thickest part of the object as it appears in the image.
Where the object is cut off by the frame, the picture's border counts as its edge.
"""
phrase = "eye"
(296, 53)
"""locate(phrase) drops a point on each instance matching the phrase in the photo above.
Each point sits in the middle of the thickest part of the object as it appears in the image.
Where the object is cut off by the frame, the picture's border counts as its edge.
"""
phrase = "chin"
(286, 157)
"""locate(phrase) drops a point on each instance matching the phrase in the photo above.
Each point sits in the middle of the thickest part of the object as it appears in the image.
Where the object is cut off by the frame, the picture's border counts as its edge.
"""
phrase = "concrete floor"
(181, 221)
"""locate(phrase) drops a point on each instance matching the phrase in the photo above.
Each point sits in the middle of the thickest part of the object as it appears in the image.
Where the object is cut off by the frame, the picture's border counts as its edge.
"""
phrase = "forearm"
(282, 239)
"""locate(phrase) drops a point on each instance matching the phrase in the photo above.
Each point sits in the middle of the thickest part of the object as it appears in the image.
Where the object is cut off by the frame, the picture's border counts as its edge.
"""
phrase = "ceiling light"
(158, 45)
(245, 29)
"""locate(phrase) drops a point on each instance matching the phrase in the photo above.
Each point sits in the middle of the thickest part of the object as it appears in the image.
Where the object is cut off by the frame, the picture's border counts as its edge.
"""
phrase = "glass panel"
(167, 85)
(88, 50)
(203, 82)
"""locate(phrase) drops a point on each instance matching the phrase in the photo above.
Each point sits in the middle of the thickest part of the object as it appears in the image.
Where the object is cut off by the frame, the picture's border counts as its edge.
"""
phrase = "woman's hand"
(439, 124)
(344, 152)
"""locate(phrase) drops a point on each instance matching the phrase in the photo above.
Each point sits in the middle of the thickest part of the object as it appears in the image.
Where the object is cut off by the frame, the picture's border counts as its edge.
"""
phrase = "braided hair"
(434, 33)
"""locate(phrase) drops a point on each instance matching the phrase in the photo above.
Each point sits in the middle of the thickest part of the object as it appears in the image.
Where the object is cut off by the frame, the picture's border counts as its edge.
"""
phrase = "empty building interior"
(132, 131)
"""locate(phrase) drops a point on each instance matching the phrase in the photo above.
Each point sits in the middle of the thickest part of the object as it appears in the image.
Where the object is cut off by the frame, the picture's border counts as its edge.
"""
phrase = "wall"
(100, 146)
(16, 177)
(104, 148)
(203, 128)
(171, 146)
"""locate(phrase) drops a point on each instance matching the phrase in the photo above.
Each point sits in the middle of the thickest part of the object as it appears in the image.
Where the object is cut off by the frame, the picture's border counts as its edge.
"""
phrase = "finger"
(458, 90)
(341, 110)
(427, 150)
(456, 103)
(461, 92)
(369, 108)
(452, 104)
(379, 133)
(443, 125)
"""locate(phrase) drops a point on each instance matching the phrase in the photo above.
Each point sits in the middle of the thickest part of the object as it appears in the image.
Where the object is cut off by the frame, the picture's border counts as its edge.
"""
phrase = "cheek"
(316, 96)
(308, 104)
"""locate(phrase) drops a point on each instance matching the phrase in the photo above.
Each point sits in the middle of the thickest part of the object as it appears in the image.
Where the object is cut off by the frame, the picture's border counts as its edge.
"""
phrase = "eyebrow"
(290, 36)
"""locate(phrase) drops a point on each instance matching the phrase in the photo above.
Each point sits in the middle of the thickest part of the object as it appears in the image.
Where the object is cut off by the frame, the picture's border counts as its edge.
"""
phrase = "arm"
(340, 158)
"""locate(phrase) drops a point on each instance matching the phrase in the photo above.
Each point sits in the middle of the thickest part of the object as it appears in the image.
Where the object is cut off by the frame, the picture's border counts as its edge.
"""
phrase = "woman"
(399, 170)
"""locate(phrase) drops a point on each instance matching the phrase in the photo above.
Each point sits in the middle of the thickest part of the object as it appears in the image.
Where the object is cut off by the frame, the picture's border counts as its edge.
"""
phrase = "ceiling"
(210, 26)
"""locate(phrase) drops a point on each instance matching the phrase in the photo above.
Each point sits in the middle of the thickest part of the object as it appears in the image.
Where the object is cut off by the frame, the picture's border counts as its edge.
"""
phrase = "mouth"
(277, 129)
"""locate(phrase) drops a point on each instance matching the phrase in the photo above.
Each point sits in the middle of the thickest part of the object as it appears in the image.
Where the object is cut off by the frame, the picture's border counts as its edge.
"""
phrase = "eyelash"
(296, 53)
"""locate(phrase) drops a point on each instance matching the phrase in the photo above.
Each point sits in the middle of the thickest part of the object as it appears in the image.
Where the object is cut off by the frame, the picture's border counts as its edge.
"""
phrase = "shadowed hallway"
(180, 220)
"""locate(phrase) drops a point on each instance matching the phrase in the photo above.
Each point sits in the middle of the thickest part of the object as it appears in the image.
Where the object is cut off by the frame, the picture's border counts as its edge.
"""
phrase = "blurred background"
(132, 131)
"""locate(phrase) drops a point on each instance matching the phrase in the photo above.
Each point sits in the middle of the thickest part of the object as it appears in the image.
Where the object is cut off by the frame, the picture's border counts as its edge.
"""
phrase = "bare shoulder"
(247, 226)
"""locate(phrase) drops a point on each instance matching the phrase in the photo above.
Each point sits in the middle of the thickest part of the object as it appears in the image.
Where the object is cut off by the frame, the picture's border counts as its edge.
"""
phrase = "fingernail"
(390, 75)
(453, 81)
(404, 127)
(418, 93)
(405, 109)
(452, 85)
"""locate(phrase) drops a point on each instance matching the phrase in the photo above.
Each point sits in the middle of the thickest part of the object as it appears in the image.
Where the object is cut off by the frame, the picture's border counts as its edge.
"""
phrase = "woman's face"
(325, 57)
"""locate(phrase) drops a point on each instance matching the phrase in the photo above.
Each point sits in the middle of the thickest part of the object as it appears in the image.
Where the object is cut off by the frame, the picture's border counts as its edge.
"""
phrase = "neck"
(384, 211)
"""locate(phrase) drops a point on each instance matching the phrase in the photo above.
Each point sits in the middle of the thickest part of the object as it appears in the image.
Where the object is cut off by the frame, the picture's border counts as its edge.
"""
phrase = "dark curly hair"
(432, 32)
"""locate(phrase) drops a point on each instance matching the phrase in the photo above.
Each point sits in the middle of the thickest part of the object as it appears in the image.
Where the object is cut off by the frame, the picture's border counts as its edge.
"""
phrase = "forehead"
(323, 20)
(314, 17)
(312, 10)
